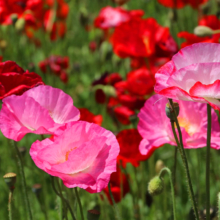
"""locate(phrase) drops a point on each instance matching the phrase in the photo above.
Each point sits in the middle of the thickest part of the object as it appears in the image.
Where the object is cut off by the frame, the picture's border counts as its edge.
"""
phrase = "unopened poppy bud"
(14, 18)
(3, 44)
(19, 25)
(169, 111)
(203, 31)
(10, 179)
(36, 188)
(159, 166)
(22, 151)
(93, 214)
(155, 186)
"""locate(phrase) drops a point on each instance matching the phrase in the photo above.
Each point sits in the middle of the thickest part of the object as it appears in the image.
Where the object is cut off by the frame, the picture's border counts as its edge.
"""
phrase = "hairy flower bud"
(155, 186)
(169, 110)
(203, 31)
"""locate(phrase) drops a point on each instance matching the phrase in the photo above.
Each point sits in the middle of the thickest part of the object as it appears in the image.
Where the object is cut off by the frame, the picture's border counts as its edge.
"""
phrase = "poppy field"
(109, 109)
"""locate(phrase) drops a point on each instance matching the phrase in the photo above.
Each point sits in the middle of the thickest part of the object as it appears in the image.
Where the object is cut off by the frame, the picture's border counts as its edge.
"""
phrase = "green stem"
(10, 204)
(63, 209)
(218, 206)
(61, 196)
(79, 202)
(24, 186)
(208, 162)
(184, 159)
(174, 167)
(117, 216)
(165, 169)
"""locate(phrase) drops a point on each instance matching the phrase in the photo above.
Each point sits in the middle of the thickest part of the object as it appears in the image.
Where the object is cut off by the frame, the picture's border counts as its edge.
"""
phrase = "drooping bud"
(155, 186)
(10, 179)
(169, 110)
(159, 166)
(203, 31)
(93, 214)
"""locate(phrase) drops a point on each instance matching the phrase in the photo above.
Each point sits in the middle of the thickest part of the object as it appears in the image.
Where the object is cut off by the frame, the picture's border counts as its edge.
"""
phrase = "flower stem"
(184, 159)
(218, 198)
(208, 162)
(61, 196)
(165, 169)
(117, 216)
(10, 204)
(24, 186)
(79, 202)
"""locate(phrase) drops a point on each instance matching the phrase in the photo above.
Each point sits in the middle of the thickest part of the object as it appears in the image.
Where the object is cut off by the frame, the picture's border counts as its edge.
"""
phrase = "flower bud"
(36, 188)
(155, 186)
(10, 179)
(203, 31)
(22, 151)
(169, 111)
(159, 165)
(3, 44)
(93, 214)
(19, 25)
(14, 18)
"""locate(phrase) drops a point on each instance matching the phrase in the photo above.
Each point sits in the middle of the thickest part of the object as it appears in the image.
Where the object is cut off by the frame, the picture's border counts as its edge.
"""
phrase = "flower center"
(68, 152)
(184, 123)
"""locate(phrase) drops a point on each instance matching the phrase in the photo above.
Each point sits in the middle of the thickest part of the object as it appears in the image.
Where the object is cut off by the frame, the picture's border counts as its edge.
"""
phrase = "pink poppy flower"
(110, 17)
(41, 110)
(84, 155)
(192, 75)
(155, 128)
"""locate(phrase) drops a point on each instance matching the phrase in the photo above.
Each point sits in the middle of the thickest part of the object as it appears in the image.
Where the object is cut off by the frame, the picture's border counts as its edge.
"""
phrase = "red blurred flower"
(117, 180)
(56, 65)
(14, 80)
(105, 79)
(110, 17)
(92, 46)
(123, 114)
(210, 21)
(129, 141)
(86, 115)
(142, 38)
(140, 82)
(181, 3)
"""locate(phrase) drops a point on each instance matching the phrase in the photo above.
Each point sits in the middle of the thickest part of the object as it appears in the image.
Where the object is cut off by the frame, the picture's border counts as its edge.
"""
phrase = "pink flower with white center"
(193, 74)
(155, 128)
(84, 155)
(41, 110)
(110, 17)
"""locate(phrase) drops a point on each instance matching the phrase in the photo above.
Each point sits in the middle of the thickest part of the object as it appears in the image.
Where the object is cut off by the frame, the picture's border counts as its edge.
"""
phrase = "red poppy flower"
(129, 141)
(86, 115)
(117, 180)
(142, 38)
(140, 82)
(181, 3)
(14, 80)
(56, 65)
(123, 114)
